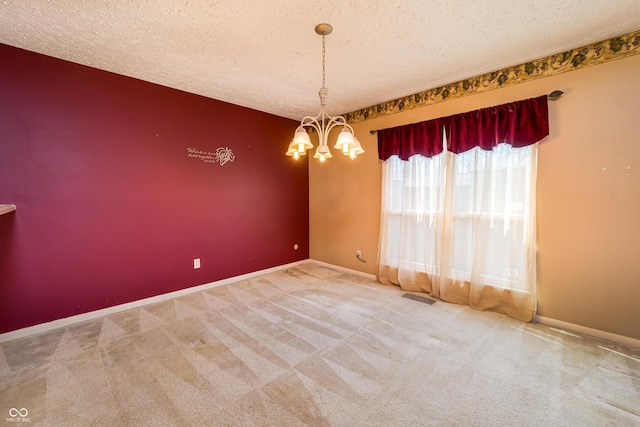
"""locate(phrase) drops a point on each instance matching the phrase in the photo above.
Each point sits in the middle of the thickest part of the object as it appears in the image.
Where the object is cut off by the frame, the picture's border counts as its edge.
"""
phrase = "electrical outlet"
(196, 263)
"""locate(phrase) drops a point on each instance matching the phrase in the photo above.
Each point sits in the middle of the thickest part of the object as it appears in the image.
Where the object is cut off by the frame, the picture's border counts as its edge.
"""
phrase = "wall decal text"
(222, 155)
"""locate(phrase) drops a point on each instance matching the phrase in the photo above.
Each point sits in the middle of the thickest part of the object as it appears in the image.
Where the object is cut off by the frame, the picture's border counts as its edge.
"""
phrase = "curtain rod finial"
(555, 95)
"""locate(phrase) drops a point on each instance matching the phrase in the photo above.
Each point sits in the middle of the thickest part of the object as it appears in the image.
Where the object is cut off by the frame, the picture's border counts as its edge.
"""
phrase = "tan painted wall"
(588, 195)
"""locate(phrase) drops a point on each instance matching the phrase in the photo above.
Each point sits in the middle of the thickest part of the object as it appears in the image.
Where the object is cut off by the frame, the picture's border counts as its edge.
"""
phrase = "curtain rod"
(553, 96)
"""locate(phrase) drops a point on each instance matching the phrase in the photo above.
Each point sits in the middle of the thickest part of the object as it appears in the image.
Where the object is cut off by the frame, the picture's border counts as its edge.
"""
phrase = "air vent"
(419, 299)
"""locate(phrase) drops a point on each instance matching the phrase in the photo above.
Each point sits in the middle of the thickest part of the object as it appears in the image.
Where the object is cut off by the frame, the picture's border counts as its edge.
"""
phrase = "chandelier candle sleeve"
(323, 123)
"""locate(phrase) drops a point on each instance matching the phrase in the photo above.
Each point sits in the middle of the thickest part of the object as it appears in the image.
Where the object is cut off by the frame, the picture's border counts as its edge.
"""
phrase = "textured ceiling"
(265, 54)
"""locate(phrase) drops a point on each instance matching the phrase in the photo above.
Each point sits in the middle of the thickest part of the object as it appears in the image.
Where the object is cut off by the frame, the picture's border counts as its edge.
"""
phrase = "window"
(460, 224)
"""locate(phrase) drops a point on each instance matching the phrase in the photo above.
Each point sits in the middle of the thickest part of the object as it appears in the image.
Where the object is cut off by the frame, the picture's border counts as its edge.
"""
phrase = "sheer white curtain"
(462, 227)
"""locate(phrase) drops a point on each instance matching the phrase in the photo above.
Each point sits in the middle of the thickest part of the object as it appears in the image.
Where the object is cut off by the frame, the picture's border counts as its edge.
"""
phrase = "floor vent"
(420, 299)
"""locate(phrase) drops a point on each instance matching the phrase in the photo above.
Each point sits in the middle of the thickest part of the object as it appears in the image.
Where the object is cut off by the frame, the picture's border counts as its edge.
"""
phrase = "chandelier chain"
(323, 54)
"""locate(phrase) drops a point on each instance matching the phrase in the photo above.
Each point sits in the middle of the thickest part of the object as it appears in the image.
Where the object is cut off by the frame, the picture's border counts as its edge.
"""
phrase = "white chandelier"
(347, 143)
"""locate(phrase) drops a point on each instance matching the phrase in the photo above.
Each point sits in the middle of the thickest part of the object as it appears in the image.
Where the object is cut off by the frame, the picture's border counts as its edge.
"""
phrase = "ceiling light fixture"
(347, 143)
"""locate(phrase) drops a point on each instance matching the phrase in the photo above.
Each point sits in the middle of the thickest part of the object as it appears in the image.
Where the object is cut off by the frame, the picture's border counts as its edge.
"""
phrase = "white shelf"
(7, 208)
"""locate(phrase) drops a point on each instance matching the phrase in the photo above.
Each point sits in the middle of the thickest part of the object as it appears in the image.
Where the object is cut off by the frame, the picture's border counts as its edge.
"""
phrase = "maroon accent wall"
(110, 207)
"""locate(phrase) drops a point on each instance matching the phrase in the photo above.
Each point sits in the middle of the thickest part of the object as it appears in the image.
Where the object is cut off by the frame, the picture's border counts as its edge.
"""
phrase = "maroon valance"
(519, 124)
(409, 140)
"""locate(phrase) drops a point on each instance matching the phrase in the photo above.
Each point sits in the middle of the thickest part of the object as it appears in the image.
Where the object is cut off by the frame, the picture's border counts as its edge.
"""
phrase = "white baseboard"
(345, 270)
(621, 339)
(61, 323)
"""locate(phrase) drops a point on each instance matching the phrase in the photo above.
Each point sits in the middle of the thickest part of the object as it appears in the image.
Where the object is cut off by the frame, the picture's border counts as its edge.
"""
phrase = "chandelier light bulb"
(322, 153)
(356, 149)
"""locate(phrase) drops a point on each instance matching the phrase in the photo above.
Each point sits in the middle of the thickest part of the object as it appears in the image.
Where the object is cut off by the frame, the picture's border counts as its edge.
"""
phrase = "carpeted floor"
(314, 346)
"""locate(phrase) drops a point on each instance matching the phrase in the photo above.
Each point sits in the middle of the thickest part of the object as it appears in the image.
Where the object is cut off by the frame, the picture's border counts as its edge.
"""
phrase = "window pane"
(491, 192)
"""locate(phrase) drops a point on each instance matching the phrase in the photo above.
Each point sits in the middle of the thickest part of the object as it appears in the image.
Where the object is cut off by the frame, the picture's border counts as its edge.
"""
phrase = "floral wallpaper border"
(593, 54)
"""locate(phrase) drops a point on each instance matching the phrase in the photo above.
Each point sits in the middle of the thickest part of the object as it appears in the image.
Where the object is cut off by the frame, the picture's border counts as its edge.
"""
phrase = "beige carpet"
(314, 346)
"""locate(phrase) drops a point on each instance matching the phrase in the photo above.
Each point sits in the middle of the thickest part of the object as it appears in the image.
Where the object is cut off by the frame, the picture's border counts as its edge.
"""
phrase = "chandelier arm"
(339, 121)
(310, 121)
(314, 123)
